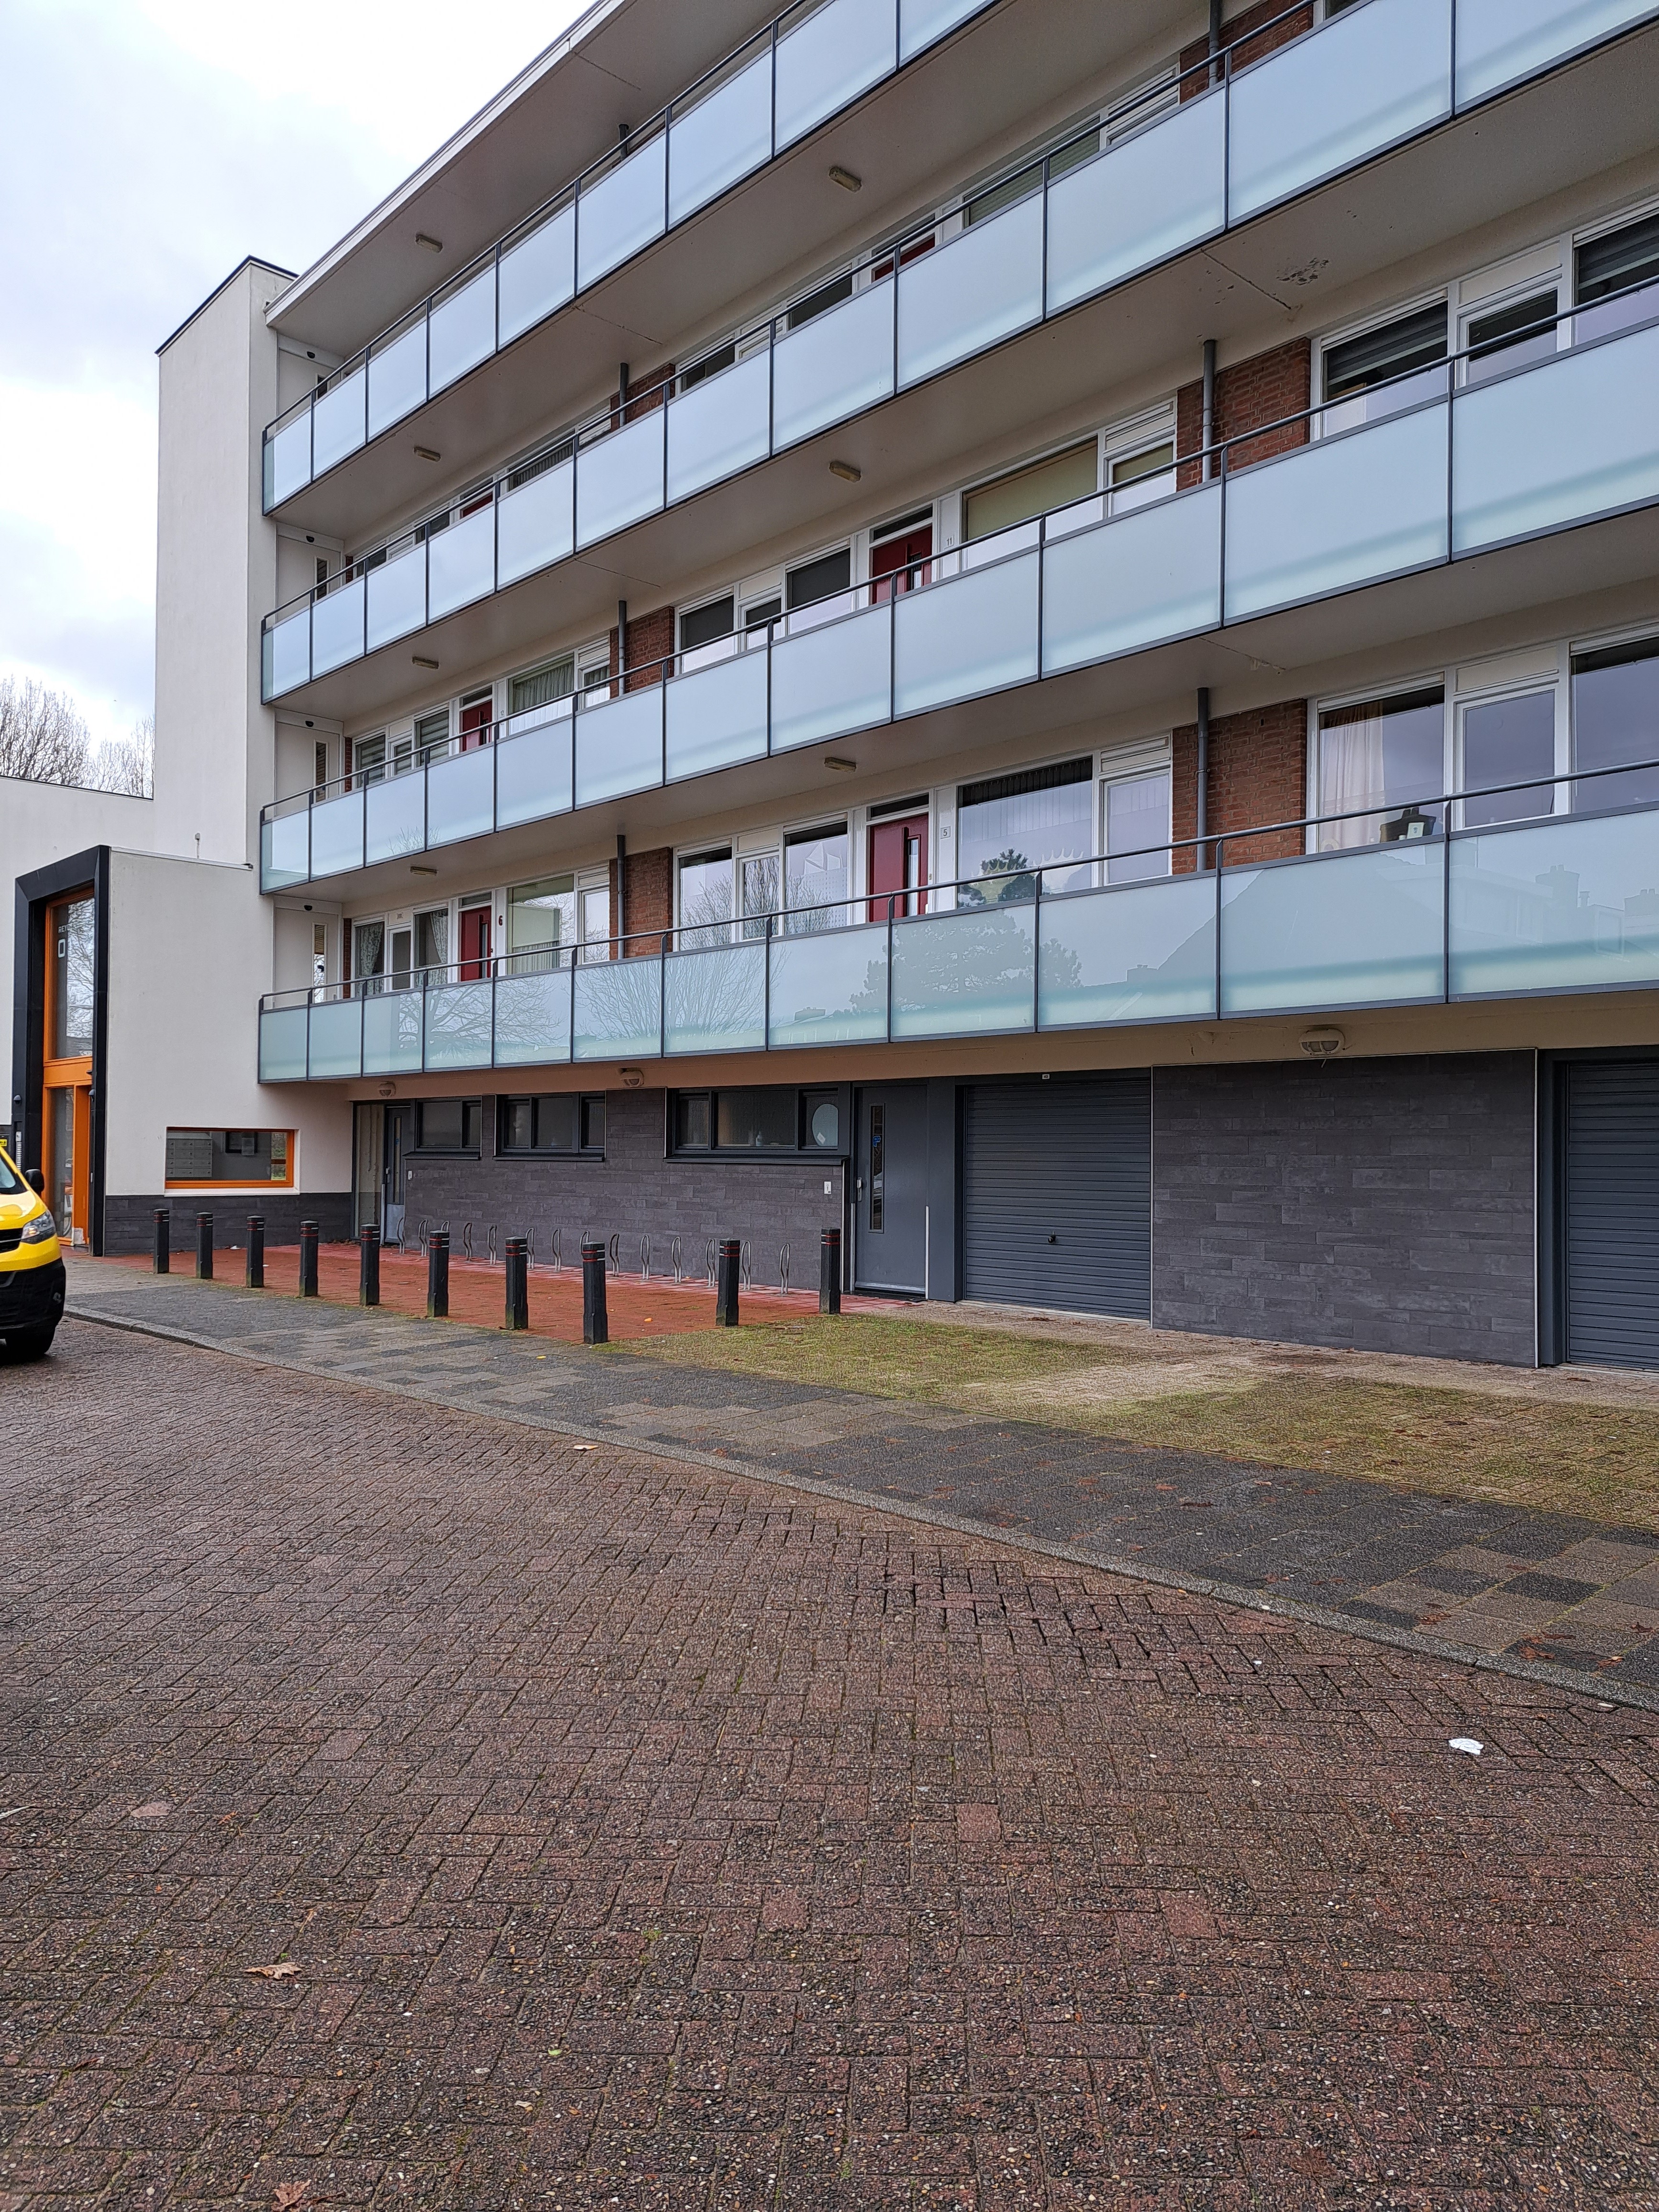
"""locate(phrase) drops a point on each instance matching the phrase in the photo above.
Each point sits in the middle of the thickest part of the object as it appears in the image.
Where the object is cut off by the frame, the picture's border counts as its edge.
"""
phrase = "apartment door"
(898, 863)
(67, 1061)
(476, 717)
(396, 1140)
(901, 562)
(475, 943)
(890, 1199)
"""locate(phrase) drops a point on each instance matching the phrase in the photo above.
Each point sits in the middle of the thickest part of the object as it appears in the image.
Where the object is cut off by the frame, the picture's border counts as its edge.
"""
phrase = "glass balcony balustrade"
(1554, 445)
(1235, 140)
(1566, 903)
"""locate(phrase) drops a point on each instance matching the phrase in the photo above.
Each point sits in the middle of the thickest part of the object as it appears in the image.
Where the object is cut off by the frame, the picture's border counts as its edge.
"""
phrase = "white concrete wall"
(189, 942)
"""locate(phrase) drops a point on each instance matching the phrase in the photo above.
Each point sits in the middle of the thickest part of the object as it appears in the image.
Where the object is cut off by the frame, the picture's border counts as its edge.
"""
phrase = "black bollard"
(369, 1266)
(204, 1248)
(596, 1327)
(830, 1271)
(308, 1259)
(726, 1283)
(437, 1275)
(163, 1260)
(256, 1251)
(518, 1283)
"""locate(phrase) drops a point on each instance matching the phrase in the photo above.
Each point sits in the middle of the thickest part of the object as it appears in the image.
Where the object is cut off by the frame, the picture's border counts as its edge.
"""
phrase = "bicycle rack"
(783, 1267)
(674, 1256)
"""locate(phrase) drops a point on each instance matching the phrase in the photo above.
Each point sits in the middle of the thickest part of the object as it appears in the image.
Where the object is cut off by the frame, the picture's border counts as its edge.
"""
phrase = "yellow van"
(31, 1265)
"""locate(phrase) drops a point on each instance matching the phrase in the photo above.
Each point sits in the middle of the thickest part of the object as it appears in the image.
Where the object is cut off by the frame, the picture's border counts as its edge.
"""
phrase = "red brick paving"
(648, 1837)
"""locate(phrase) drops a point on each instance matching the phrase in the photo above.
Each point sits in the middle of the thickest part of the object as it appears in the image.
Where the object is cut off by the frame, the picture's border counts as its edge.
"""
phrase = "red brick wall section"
(1258, 772)
(650, 640)
(1263, 389)
(644, 392)
(1236, 33)
(650, 882)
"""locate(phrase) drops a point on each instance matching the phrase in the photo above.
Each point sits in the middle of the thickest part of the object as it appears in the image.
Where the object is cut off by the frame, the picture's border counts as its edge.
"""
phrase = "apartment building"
(1027, 629)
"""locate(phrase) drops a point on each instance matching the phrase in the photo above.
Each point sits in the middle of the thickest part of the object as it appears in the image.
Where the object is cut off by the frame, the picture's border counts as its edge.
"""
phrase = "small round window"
(826, 1124)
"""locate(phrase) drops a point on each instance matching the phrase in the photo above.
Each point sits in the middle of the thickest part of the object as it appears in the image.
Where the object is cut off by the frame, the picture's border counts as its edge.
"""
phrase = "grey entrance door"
(391, 1182)
(1612, 1208)
(890, 1220)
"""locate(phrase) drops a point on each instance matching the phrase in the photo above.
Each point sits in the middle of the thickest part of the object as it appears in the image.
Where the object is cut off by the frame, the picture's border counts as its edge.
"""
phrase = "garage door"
(1056, 1193)
(1611, 1210)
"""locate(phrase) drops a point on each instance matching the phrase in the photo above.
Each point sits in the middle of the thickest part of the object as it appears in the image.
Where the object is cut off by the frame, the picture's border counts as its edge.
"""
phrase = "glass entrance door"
(396, 1142)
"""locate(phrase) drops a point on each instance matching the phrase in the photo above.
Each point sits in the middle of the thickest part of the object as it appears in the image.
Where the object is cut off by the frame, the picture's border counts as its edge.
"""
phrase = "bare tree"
(126, 765)
(42, 739)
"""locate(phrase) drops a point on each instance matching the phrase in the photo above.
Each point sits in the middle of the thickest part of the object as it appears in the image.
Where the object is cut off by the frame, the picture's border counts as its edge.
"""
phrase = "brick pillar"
(1258, 772)
(1263, 389)
(650, 901)
(1238, 28)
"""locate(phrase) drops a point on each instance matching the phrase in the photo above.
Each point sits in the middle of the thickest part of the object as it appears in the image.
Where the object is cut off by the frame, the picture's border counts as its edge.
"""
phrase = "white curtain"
(1350, 775)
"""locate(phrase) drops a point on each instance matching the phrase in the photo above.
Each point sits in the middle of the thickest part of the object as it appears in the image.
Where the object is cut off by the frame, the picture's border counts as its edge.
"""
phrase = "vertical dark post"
(726, 1285)
(830, 1272)
(204, 1248)
(518, 1284)
(308, 1259)
(437, 1275)
(1206, 411)
(596, 1326)
(369, 1266)
(1201, 814)
(256, 1251)
(163, 1260)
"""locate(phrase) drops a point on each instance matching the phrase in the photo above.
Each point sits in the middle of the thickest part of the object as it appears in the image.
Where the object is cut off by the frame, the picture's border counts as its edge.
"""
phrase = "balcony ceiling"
(996, 80)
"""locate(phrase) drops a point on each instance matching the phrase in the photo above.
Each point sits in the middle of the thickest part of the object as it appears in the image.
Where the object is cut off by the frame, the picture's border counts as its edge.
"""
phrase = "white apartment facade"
(1029, 631)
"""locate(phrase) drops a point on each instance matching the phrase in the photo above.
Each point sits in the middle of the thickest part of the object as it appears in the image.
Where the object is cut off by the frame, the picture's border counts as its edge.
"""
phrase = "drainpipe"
(621, 644)
(1215, 38)
(1206, 434)
(1202, 824)
(622, 894)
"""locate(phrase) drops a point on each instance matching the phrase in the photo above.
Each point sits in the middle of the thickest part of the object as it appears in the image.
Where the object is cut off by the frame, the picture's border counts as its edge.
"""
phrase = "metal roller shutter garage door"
(1056, 1193)
(1612, 1212)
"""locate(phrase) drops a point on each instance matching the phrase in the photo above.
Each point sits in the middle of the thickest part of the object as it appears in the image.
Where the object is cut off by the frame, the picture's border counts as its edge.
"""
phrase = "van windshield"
(11, 1182)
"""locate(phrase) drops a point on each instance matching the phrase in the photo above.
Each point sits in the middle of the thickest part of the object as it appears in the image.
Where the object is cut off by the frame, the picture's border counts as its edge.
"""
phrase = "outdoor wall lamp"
(1322, 1044)
(847, 471)
(846, 178)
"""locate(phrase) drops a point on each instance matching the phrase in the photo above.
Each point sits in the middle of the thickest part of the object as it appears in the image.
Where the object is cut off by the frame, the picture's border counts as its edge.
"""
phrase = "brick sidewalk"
(647, 1837)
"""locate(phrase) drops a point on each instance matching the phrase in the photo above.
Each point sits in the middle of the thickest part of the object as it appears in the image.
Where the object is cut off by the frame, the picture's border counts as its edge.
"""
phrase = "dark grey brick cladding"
(129, 1222)
(1378, 1204)
(634, 1191)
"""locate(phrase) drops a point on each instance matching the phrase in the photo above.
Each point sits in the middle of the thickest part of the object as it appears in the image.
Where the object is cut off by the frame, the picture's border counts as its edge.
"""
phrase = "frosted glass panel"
(460, 797)
(618, 1010)
(396, 596)
(1372, 74)
(284, 850)
(337, 627)
(391, 1034)
(287, 645)
(338, 422)
(463, 329)
(975, 634)
(458, 1026)
(397, 378)
(533, 1018)
(965, 296)
(337, 1038)
(534, 525)
(1556, 443)
(619, 478)
(1133, 582)
(337, 834)
(921, 22)
(397, 816)
(619, 746)
(1347, 929)
(1563, 906)
(830, 57)
(726, 135)
(461, 563)
(282, 1044)
(533, 773)
(719, 427)
(288, 460)
(836, 366)
(537, 274)
(717, 716)
(1146, 199)
(1144, 953)
(1499, 40)
(621, 213)
(714, 1000)
(965, 974)
(829, 988)
(829, 681)
(1339, 512)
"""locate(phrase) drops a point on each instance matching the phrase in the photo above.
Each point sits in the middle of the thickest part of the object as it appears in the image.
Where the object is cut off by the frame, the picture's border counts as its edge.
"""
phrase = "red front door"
(475, 943)
(900, 564)
(474, 724)
(898, 863)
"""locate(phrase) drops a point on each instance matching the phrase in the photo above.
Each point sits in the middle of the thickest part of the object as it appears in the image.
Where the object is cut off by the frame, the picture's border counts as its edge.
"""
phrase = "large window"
(1137, 813)
(1025, 492)
(770, 1121)
(816, 868)
(1379, 761)
(540, 687)
(450, 1125)
(72, 955)
(1010, 826)
(1615, 719)
(1381, 370)
(198, 1159)
(1505, 741)
(705, 889)
(562, 1124)
(541, 918)
(1615, 274)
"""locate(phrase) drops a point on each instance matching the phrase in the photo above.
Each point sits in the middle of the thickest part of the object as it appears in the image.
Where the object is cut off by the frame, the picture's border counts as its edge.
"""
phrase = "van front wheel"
(22, 1344)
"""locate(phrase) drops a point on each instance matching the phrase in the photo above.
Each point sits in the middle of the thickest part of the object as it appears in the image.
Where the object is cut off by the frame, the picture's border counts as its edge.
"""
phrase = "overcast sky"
(148, 145)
